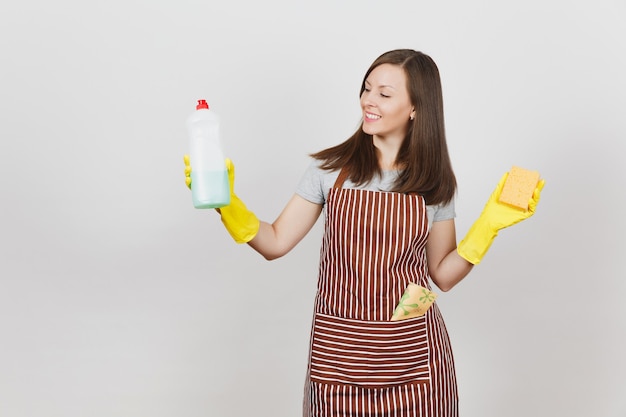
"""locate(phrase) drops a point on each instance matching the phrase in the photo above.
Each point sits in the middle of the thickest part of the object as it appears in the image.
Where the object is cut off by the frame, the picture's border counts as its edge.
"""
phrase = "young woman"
(379, 345)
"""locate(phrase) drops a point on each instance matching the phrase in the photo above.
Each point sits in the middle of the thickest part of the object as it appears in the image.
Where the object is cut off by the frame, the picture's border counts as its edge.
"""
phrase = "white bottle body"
(209, 177)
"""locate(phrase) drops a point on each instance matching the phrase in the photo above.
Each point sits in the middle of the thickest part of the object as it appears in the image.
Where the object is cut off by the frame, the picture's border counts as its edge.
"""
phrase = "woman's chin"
(367, 129)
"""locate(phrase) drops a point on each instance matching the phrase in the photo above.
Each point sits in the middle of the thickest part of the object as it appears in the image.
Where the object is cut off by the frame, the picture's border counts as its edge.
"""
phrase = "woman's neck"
(387, 150)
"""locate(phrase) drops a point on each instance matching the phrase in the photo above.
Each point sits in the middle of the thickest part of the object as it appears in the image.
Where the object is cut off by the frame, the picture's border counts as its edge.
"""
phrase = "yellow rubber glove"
(494, 217)
(187, 171)
(241, 223)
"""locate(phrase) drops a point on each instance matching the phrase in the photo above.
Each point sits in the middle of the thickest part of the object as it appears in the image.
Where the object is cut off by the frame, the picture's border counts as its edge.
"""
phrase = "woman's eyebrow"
(381, 86)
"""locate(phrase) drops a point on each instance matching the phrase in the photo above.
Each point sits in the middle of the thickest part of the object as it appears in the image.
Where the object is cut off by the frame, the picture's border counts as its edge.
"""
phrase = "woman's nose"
(366, 99)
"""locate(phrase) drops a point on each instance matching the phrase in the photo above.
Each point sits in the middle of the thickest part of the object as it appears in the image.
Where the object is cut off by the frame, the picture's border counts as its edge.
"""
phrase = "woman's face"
(386, 104)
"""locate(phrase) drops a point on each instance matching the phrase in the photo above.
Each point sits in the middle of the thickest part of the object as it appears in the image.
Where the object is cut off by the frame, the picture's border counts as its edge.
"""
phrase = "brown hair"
(427, 169)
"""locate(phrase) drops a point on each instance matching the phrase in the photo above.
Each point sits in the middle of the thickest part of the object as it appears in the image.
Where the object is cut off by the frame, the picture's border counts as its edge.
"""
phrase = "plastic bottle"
(209, 177)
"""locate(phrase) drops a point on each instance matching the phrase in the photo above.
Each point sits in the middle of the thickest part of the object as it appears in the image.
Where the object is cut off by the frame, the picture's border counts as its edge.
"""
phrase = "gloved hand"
(494, 217)
(241, 223)
(187, 171)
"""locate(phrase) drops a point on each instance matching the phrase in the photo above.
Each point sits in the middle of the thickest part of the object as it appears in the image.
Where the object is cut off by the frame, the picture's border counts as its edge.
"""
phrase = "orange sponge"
(519, 187)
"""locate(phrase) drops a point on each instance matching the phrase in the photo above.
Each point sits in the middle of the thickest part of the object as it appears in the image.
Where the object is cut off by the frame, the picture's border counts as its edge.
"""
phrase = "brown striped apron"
(360, 362)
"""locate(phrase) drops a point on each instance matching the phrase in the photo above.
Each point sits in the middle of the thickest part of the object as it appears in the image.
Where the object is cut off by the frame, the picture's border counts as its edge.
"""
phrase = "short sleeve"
(311, 185)
(441, 212)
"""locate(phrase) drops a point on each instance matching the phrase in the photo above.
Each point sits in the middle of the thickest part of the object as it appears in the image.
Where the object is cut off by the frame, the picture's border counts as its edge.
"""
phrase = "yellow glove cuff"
(476, 242)
(241, 223)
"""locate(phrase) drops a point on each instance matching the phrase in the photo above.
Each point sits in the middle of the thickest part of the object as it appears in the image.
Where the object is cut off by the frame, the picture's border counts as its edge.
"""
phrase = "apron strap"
(343, 176)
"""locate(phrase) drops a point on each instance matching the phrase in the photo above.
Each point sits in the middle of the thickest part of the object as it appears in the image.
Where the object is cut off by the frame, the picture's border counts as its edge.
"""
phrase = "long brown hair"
(423, 155)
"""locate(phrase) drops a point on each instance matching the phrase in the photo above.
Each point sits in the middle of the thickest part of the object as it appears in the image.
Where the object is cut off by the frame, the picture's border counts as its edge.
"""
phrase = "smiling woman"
(379, 344)
(386, 107)
(403, 128)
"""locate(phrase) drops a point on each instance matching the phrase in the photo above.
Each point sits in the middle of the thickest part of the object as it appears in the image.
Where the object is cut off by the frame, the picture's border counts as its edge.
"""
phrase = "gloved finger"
(231, 173)
(496, 193)
(537, 191)
(532, 204)
(540, 185)
(187, 171)
(502, 181)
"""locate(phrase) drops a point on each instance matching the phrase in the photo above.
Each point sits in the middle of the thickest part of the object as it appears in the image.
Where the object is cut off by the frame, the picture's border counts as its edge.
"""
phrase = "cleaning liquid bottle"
(209, 177)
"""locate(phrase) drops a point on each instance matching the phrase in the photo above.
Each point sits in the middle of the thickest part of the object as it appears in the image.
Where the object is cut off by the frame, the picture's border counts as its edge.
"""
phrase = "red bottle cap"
(202, 104)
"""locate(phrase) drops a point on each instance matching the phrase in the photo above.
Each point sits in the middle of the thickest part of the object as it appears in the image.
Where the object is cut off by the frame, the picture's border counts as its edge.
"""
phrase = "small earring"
(411, 117)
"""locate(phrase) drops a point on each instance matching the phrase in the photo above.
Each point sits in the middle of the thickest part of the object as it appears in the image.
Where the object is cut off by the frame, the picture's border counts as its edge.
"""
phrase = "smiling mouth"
(371, 116)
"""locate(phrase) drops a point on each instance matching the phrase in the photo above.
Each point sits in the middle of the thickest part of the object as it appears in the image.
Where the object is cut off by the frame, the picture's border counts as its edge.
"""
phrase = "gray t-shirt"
(316, 183)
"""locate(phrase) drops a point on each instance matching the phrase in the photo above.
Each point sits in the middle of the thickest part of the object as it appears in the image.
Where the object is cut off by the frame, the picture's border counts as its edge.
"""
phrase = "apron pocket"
(369, 353)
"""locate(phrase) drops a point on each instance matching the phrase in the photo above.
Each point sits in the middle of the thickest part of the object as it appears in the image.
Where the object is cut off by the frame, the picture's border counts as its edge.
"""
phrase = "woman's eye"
(384, 95)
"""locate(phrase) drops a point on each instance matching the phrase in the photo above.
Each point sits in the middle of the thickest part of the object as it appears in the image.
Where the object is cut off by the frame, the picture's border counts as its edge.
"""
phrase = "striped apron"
(360, 362)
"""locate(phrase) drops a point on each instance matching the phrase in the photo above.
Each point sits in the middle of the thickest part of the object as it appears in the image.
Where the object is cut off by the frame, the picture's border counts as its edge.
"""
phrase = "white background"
(117, 298)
